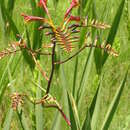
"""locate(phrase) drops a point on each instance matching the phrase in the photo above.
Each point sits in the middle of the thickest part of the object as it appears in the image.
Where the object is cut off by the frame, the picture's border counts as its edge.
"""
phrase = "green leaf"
(5, 79)
(28, 37)
(64, 85)
(27, 56)
(98, 51)
(87, 122)
(71, 113)
(22, 119)
(84, 77)
(95, 106)
(114, 28)
(83, 32)
(75, 111)
(84, 3)
(7, 122)
(89, 114)
(37, 35)
(9, 115)
(55, 2)
(114, 104)
(57, 58)
(87, 8)
(75, 76)
(33, 5)
(7, 18)
(10, 6)
(56, 122)
(98, 55)
(39, 108)
(2, 6)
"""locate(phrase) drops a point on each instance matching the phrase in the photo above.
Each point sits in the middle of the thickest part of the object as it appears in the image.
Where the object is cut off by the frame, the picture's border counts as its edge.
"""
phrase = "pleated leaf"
(27, 56)
(22, 119)
(71, 113)
(37, 35)
(39, 108)
(96, 107)
(84, 77)
(98, 51)
(8, 119)
(114, 104)
(4, 79)
(10, 6)
(83, 32)
(56, 122)
(55, 2)
(7, 18)
(90, 111)
(114, 28)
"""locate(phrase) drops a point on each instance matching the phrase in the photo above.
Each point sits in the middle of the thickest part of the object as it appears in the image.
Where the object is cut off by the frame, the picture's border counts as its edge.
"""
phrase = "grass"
(17, 74)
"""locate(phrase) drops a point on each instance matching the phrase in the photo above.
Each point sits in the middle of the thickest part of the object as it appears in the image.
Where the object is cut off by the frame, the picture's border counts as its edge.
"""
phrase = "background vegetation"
(81, 77)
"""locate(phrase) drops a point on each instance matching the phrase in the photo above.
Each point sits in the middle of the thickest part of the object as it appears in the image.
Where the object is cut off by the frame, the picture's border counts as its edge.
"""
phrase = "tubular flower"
(74, 18)
(73, 4)
(43, 3)
(28, 18)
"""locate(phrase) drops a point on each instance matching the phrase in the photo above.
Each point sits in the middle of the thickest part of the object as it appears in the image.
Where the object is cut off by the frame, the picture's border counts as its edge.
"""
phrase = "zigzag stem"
(57, 106)
(17, 100)
(47, 99)
(107, 49)
(52, 69)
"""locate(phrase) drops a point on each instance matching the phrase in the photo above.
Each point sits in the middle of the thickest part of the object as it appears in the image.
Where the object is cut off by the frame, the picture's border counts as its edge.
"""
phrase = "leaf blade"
(71, 113)
(114, 104)
(114, 28)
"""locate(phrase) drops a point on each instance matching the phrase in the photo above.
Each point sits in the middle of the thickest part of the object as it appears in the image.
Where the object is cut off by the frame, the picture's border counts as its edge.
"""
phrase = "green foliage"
(114, 28)
(7, 122)
(72, 118)
(114, 104)
(72, 83)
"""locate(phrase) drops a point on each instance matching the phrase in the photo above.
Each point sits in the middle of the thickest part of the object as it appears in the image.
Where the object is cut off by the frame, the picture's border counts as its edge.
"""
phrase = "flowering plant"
(64, 36)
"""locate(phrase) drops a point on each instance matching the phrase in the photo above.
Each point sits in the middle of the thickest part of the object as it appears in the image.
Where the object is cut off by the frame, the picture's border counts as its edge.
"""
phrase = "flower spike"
(73, 4)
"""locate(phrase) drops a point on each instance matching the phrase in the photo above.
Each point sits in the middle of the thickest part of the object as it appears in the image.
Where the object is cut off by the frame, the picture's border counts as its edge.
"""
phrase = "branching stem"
(80, 50)
(105, 48)
(60, 110)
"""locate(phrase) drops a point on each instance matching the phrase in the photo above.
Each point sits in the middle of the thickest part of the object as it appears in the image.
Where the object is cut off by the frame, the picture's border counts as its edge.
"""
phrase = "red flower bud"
(74, 18)
(73, 4)
(28, 18)
(43, 3)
